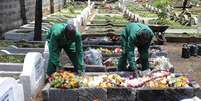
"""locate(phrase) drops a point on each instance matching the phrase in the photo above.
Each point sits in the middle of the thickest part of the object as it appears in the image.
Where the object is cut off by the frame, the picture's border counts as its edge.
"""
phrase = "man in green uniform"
(135, 35)
(64, 36)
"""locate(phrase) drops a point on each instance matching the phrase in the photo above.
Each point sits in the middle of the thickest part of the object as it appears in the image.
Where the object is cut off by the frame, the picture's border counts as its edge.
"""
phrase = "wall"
(11, 12)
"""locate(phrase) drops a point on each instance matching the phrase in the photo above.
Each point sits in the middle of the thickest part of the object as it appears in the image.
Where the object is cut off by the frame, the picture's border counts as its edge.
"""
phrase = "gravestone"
(119, 5)
(176, 16)
(156, 10)
(32, 76)
(129, 14)
(89, 2)
(194, 21)
(184, 19)
(127, 11)
(149, 6)
(4, 52)
(146, 5)
(199, 19)
(152, 8)
(19, 34)
(46, 56)
(79, 20)
(10, 90)
(199, 29)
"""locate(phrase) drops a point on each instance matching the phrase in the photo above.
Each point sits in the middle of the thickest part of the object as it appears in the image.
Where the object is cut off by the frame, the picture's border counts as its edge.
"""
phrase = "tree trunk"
(185, 4)
(51, 6)
(23, 11)
(38, 21)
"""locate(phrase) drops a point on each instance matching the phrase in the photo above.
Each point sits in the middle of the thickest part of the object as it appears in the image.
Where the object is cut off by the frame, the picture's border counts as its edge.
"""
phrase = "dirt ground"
(191, 66)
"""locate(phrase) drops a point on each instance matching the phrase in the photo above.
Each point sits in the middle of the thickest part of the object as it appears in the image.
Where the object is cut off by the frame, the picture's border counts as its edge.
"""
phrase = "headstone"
(132, 16)
(32, 76)
(19, 34)
(10, 90)
(4, 52)
(194, 21)
(12, 47)
(129, 14)
(46, 55)
(123, 2)
(159, 10)
(127, 11)
(199, 29)
(92, 5)
(119, 5)
(78, 20)
(149, 6)
(75, 22)
(124, 10)
(146, 5)
(155, 9)
(89, 2)
(184, 19)
(176, 16)
(199, 19)
(152, 8)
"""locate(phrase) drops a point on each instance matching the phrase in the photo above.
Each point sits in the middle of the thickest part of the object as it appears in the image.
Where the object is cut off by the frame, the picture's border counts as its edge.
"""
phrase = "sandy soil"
(191, 66)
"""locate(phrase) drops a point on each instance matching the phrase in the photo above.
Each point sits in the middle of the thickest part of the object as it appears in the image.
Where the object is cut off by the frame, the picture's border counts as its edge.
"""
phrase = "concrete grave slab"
(33, 75)
(10, 90)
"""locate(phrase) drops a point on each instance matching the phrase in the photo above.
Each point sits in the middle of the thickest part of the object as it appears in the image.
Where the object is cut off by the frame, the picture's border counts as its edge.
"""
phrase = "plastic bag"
(93, 57)
(161, 63)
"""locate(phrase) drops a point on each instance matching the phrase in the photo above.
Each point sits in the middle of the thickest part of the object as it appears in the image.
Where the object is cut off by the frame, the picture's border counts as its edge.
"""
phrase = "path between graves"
(190, 66)
(181, 31)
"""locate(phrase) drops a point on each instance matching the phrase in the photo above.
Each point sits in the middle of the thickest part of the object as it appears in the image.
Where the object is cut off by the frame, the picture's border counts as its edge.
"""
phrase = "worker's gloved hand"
(136, 73)
(138, 61)
(113, 37)
(80, 73)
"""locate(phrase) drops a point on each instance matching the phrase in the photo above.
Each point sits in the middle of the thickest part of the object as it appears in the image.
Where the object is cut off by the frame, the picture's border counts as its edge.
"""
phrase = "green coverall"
(57, 40)
(129, 41)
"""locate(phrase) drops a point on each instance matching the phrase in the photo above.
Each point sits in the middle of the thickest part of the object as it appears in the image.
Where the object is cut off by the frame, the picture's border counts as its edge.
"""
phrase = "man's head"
(143, 37)
(70, 31)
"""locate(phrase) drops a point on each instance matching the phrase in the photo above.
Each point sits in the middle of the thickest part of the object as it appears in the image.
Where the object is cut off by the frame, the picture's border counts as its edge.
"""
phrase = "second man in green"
(135, 35)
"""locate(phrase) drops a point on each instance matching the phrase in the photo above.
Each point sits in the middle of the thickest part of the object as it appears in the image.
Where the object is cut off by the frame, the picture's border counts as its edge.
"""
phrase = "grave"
(32, 76)
(10, 90)
(199, 19)
(194, 21)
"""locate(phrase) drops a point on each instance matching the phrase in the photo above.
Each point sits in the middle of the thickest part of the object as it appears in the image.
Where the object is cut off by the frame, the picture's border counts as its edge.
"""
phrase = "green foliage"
(24, 44)
(140, 10)
(162, 4)
(162, 21)
(162, 15)
(70, 6)
(12, 58)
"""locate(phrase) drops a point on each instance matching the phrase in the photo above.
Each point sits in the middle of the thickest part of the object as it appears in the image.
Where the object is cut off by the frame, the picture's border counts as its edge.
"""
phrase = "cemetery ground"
(190, 66)
(113, 21)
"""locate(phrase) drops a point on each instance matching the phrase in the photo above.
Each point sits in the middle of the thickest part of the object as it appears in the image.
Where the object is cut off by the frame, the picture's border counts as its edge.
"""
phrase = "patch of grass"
(21, 44)
(173, 24)
(12, 58)
(141, 11)
(183, 35)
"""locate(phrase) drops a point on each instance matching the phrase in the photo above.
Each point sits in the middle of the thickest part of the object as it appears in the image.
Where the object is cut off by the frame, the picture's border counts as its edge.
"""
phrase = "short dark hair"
(144, 34)
(70, 27)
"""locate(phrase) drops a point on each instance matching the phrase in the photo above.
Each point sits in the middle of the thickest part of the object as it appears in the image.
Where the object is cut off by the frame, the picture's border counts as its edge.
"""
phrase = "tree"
(23, 11)
(185, 4)
(38, 21)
